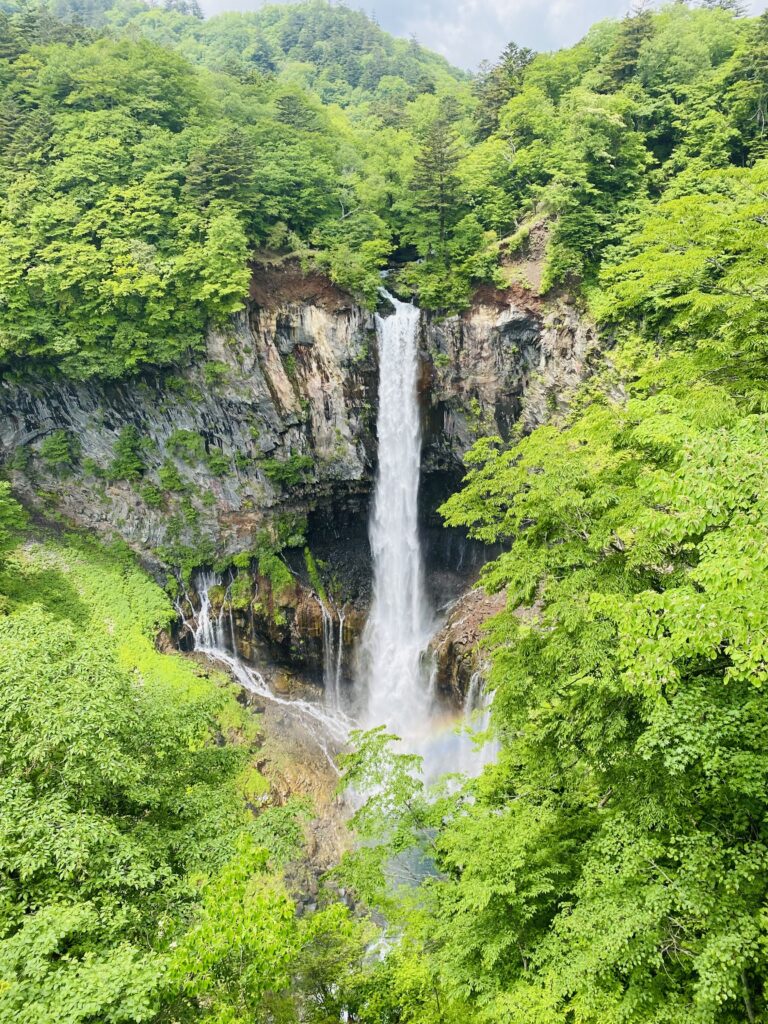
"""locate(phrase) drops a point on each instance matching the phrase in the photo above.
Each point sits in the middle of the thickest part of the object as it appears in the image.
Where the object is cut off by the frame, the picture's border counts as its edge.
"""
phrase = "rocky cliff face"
(276, 418)
(511, 359)
(266, 442)
(456, 647)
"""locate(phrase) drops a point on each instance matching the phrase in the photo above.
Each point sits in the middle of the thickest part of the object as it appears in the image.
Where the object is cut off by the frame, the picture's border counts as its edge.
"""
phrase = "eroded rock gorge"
(265, 445)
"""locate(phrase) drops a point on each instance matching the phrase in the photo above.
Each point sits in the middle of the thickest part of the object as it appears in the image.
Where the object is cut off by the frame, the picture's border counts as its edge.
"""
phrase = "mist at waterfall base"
(395, 678)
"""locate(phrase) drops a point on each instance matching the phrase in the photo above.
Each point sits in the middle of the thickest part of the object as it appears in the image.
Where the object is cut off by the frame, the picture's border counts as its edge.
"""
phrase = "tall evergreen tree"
(736, 6)
(435, 182)
(621, 62)
(498, 83)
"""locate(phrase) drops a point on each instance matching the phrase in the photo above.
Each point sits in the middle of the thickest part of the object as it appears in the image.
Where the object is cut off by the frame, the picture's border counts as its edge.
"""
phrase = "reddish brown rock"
(456, 648)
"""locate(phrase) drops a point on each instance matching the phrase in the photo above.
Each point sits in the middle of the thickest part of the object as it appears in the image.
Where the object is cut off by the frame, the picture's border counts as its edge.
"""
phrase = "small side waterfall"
(400, 620)
(477, 720)
(210, 631)
(215, 636)
(333, 653)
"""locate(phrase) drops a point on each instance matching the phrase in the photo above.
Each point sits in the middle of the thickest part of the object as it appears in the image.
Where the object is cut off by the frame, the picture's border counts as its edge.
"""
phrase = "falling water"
(339, 660)
(400, 622)
(333, 653)
(215, 636)
(396, 673)
(477, 720)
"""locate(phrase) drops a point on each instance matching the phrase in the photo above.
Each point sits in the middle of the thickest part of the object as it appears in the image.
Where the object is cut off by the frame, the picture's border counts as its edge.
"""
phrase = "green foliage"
(497, 84)
(188, 554)
(290, 530)
(271, 565)
(12, 519)
(60, 451)
(21, 460)
(190, 447)
(218, 463)
(187, 445)
(241, 944)
(103, 267)
(152, 496)
(128, 463)
(241, 591)
(132, 208)
(117, 801)
(290, 472)
(693, 269)
(314, 575)
(170, 478)
(215, 374)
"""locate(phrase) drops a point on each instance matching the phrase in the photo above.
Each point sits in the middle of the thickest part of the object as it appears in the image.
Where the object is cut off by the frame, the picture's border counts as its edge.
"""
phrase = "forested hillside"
(612, 866)
(145, 161)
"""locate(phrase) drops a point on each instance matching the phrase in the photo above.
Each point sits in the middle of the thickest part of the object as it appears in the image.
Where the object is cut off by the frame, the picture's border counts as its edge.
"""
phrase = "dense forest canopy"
(611, 867)
(148, 154)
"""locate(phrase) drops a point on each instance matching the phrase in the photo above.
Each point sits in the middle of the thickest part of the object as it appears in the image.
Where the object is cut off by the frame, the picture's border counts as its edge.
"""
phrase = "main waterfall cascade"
(400, 621)
(397, 676)
(394, 681)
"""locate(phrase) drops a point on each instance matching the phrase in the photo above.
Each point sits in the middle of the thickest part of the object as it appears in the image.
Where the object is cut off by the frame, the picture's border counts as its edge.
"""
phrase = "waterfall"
(208, 631)
(472, 697)
(333, 653)
(400, 621)
(328, 729)
(477, 720)
(339, 660)
(399, 683)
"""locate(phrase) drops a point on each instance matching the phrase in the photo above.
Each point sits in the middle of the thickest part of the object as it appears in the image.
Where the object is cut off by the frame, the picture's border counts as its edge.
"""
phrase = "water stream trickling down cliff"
(215, 636)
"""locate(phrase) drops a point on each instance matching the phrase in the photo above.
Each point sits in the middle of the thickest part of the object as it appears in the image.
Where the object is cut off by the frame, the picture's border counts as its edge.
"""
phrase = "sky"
(469, 31)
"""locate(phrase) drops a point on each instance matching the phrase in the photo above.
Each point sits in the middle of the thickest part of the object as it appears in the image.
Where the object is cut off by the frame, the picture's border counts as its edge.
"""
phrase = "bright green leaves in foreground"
(125, 844)
(611, 868)
(696, 268)
(631, 668)
(136, 884)
(243, 942)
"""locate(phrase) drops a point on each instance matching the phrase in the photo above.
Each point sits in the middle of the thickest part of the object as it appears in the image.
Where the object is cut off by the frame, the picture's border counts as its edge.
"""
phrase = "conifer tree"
(435, 182)
(498, 83)
(736, 6)
(621, 62)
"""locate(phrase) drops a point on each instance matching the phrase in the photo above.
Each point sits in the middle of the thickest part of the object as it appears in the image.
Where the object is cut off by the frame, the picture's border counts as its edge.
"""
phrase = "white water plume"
(400, 681)
(400, 621)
